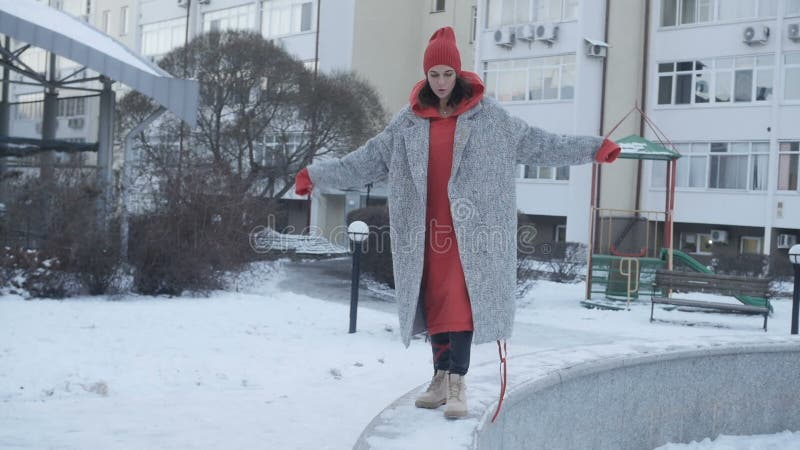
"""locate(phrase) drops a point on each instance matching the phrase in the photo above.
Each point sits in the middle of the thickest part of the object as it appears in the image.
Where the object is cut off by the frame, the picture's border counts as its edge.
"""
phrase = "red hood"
(429, 112)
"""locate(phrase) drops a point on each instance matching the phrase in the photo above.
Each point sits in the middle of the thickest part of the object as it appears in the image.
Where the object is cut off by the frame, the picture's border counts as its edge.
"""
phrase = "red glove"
(608, 152)
(302, 183)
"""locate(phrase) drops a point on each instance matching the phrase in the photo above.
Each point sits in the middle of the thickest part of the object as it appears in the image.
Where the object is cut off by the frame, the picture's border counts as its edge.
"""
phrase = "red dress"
(445, 297)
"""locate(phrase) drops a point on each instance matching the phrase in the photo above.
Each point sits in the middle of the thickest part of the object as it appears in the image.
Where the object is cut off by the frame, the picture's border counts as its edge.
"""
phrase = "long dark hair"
(461, 90)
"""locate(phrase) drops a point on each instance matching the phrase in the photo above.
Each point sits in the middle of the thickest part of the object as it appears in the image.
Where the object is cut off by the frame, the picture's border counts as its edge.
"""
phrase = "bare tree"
(262, 117)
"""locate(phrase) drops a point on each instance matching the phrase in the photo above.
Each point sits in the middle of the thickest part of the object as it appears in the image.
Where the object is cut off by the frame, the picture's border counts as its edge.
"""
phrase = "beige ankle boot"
(456, 396)
(436, 394)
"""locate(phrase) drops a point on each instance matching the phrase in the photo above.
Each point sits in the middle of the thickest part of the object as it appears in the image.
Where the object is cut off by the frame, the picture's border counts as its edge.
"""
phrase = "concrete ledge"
(623, 396)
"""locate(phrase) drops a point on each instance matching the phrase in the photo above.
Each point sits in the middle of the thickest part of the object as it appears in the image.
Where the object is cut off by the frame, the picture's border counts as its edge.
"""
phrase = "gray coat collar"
(416, 136)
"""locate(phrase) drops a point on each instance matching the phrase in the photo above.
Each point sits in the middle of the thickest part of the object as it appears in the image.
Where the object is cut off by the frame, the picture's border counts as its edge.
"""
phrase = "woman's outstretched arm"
(537, 147)
(367, 164)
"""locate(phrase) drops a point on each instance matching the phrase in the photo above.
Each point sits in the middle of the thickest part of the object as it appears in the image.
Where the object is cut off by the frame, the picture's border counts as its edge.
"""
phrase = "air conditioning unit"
(786, 240)
(504, 37)
(720, 236)
(526, 32)
(596, 49)
(794, 32)
(546, 32)
(755, 35)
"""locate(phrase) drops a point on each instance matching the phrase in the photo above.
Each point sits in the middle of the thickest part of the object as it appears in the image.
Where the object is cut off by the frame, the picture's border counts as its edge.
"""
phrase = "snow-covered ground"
(262, 367)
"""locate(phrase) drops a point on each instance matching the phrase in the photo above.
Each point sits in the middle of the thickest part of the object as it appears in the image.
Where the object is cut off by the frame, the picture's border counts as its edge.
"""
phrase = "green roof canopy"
(637, 147)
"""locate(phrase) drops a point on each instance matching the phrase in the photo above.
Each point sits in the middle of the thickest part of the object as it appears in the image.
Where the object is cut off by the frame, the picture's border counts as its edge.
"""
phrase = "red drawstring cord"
(503, 375)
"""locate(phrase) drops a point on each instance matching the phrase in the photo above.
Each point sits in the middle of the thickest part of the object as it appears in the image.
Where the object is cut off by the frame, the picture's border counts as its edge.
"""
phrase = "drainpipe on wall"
(774, 132)
(645, 55)
(594, 202)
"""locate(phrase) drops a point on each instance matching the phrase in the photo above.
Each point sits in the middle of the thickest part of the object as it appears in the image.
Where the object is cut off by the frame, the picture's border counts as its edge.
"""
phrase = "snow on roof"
(56, 31)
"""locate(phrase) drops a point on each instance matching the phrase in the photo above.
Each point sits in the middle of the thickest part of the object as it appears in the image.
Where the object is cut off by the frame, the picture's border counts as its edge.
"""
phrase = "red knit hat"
(442, 50)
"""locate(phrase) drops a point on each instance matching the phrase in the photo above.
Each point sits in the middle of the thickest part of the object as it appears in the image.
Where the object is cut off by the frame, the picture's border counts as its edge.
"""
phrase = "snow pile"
(267, 239)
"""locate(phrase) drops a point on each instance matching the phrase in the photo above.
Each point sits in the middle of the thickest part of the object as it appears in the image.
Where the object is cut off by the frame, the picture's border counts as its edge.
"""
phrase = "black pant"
(451, 351)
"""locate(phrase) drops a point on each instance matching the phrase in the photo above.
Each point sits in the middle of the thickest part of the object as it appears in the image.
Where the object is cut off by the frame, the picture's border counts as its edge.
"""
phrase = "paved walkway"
(330, 279)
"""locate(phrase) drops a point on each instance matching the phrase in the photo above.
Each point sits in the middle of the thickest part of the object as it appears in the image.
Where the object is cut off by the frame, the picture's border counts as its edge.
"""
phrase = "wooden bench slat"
(712, 305)
(713, 284)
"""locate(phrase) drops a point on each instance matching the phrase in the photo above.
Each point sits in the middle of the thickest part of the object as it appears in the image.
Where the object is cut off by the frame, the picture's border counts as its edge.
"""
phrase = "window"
(570, 10)
(123, 20)
(279, 144)
(669, 13)
(741, 79)
(283, 17)
(35, 58)
(473, 30)
(547, 10)
(788, 165)
(545, 173)
(560, 233)
(106, 21)
(29, 106)
(704, 244)
(238, 18)
(688, 12)
(727, 167)
(750, 245)
(718, 165)
(691, 169)
(535, 79)
(71, 106)
(791, 67)
(698, 243)
(437, 6)
(161, 37)
(513, 12)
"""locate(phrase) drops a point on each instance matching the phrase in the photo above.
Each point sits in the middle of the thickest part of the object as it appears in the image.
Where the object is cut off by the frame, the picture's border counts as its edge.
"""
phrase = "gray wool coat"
(489, 143)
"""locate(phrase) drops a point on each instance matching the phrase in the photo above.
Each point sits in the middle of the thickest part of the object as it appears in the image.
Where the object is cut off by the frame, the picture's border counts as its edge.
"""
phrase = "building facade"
(720, 79)
(551, 81)
(724, 84)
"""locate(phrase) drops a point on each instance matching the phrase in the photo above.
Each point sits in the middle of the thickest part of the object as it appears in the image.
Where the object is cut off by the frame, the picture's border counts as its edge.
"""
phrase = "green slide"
(681, 258)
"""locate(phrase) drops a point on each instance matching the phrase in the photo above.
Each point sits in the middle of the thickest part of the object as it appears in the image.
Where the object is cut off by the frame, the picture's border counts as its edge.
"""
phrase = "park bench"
(710, 283)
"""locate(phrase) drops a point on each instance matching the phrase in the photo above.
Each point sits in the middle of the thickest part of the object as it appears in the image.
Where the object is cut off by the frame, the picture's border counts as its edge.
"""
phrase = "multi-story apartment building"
(77, 110)
(551, 81)
(720, 78)
(724, 84)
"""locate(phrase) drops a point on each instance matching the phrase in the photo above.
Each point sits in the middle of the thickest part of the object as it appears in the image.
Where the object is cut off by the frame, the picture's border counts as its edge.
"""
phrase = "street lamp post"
(357, 232)
(794, 257)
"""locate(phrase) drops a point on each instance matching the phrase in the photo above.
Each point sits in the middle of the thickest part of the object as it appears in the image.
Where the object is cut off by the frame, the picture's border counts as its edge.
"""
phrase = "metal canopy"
(67, 36)
(637, 147)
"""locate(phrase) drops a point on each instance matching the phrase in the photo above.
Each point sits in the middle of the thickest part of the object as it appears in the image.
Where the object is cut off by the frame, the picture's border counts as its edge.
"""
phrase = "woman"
(450, 157)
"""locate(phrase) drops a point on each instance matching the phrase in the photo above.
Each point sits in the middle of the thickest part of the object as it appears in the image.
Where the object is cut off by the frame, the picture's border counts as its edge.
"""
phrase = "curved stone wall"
(614, 397)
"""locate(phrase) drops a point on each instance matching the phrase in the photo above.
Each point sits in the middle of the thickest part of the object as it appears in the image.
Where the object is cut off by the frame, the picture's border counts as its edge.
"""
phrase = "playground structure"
(626, 247)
